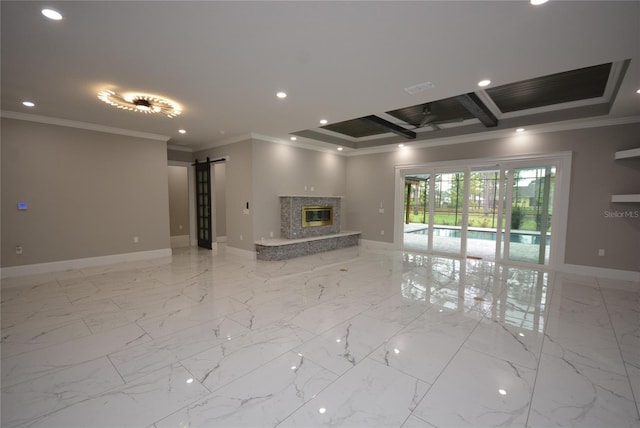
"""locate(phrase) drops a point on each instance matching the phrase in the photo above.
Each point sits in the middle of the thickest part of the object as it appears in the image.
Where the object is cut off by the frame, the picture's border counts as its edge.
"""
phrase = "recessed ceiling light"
(28, 104)
(483, 83)
(281, 94)
(638, 91)
(340, 149)
(293, 138)
(520, 130)
(502, 392)
(182, 131)
(401, 145)
(52, 14)
(538, 2)
(323, 121)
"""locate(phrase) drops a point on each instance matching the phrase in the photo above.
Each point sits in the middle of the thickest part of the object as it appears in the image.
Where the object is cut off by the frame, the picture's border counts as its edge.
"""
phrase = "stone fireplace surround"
(297, 240)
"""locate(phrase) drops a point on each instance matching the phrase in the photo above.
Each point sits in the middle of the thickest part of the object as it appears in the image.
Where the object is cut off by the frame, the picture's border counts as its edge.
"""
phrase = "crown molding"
(81, 125)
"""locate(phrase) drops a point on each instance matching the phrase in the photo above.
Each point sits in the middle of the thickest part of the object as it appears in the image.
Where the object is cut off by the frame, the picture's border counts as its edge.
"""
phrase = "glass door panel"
(416, 211)
(448, 218)
(530, 214)
(483, 214)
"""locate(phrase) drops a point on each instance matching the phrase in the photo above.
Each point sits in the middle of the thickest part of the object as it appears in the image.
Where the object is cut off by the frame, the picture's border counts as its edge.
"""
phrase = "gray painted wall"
(179, 156)
(178, 200)
(594, 177)
(281, 169)
(258, 172)
(89, 193)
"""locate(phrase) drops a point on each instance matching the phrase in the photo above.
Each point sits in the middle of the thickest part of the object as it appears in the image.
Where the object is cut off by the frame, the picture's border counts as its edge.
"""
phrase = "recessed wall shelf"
(626, 198)
(633, 197)
(627, 154)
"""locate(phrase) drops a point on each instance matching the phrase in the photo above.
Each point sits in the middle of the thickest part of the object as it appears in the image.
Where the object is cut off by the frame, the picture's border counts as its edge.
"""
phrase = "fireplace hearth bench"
(283, 249)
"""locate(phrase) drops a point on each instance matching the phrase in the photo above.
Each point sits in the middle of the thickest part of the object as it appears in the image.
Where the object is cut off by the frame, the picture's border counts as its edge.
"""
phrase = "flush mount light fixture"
(293, 138)
(182, 131)
(323, 121)
(52, 14)
(638, 91)
(281, 95)
(484, 82)
(537, 2)
(142, 103)
(520, 130)
(340, 149)
(28, 104)
(401, 145)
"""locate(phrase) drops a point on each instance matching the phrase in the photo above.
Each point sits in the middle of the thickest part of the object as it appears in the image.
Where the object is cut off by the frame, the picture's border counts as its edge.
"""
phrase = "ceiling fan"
(431, 119)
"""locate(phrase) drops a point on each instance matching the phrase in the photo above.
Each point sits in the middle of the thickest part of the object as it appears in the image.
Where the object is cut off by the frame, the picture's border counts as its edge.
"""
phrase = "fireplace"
(317, 216)
(309, 216)
(308, 225)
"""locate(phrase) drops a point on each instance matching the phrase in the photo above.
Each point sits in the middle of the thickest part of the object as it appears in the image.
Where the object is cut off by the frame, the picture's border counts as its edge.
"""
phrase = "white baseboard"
(622, 275)
(240, 252)
(180, 241)
(43, 268)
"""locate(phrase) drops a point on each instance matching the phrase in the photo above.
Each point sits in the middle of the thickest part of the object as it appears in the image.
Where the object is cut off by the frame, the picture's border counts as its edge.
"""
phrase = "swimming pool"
(515, 237)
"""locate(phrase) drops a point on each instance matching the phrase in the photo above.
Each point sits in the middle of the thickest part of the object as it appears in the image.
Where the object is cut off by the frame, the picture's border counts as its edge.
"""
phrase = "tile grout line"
(615, 334)
(544, 339)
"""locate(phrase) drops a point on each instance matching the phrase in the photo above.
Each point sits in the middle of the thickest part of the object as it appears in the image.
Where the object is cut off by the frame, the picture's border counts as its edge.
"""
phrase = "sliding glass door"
(499, 212)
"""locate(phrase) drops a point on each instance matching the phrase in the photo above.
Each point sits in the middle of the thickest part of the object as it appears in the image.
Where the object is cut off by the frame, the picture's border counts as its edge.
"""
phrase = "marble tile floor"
(353, 338)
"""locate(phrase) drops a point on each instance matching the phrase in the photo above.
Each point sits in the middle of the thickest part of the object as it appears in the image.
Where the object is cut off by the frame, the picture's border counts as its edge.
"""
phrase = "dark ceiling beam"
(476, 107)
(396, 129)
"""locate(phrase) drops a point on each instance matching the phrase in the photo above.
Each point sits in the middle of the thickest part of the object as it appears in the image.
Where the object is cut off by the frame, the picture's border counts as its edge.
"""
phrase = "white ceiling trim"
(81, 125)
(540, 129)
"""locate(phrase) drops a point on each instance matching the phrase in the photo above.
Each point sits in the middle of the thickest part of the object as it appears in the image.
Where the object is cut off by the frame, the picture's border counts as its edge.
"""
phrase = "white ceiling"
(225, 61)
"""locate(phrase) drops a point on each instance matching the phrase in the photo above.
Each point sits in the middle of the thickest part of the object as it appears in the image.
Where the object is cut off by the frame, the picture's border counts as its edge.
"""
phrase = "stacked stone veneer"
(299, 241)
(291, 216)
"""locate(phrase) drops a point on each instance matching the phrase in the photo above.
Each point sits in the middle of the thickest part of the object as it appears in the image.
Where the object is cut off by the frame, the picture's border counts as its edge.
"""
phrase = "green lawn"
(476, 219)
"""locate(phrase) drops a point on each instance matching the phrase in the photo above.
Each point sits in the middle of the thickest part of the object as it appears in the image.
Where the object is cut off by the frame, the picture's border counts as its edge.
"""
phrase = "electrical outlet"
(381, 210)
(241, 237)
(601, 252)
(270, 234)
(18, 249)
(136, 239)
(382, 232)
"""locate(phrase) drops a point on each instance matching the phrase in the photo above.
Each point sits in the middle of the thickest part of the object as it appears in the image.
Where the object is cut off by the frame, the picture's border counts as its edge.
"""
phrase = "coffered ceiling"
(379, 72)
